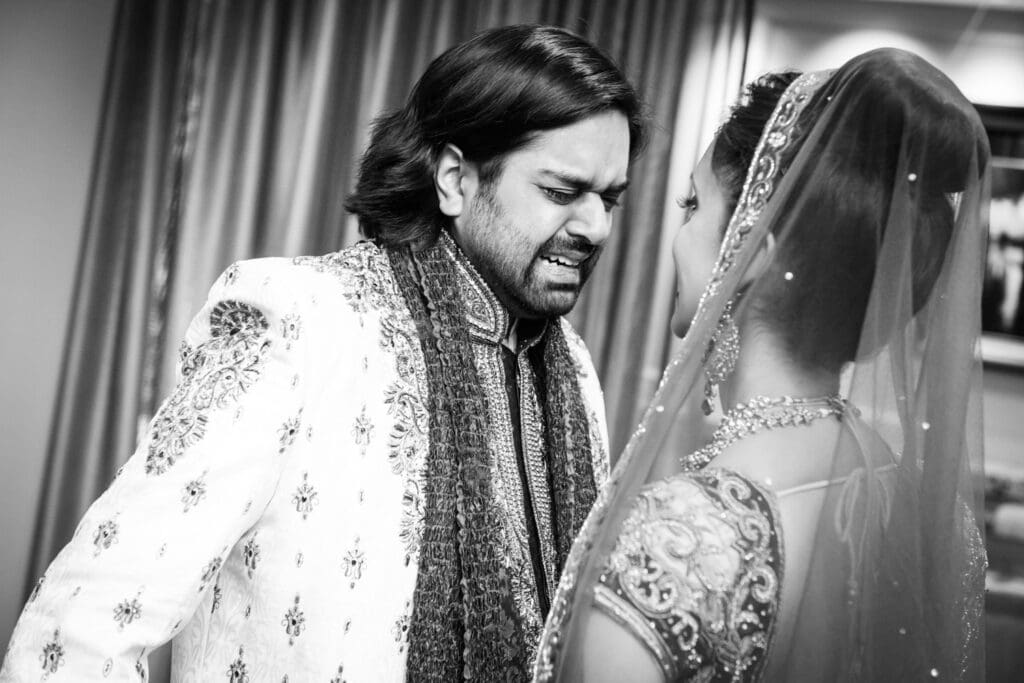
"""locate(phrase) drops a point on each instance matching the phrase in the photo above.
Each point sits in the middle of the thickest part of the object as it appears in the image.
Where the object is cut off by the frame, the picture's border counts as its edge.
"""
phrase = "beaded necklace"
(762, 413)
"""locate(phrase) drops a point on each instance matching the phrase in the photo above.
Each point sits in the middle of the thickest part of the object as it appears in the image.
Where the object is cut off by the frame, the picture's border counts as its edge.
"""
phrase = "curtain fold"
(232, 129)
(104, 379)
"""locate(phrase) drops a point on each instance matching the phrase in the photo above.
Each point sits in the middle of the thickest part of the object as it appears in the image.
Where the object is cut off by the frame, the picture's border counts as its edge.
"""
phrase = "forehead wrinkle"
(583, 183)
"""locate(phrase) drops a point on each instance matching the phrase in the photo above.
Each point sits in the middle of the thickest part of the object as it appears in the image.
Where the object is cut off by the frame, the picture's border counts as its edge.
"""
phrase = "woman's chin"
(679, 324)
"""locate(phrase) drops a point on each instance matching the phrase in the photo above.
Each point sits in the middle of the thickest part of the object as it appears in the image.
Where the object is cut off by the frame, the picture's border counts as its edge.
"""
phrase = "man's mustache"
(579, 247)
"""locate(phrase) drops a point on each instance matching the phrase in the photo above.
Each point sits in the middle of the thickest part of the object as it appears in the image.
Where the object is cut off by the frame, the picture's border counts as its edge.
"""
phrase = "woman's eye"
(559, 196)
(688, 205)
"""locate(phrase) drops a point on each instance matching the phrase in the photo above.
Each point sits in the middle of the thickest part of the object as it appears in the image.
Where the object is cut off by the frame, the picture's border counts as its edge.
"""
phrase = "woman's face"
(696, 244)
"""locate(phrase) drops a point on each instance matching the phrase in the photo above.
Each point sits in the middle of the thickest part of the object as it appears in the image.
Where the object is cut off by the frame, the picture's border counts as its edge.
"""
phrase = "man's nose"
(590, 220)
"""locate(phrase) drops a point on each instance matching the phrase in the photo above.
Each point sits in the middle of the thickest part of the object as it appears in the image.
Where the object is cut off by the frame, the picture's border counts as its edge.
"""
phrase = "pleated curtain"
(232, 129)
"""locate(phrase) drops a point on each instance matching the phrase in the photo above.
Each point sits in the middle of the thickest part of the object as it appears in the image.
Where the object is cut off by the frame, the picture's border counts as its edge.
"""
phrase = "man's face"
(535, 232)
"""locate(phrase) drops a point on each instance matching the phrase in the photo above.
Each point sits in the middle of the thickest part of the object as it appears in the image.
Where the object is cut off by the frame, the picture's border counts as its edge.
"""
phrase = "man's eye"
(610, 202)
(559, 196)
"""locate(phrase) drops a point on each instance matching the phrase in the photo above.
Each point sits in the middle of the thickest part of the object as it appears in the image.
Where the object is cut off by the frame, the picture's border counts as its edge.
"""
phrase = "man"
(375, 461)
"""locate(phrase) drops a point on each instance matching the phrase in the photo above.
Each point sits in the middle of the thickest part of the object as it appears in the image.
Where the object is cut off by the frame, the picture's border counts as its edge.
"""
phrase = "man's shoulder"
(360, 274)
(361, 257)
(332, 292)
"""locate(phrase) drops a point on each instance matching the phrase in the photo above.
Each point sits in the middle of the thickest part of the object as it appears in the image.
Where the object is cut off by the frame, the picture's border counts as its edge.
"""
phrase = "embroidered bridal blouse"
(696, 575)
(271, 518)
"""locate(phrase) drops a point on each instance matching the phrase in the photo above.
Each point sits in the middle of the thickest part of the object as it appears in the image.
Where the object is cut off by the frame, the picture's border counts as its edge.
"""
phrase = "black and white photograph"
(547, 341)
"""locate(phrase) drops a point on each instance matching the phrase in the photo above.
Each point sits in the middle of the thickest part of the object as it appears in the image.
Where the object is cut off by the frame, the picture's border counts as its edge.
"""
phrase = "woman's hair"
(889, 123)
(488, 96)
(736, 139)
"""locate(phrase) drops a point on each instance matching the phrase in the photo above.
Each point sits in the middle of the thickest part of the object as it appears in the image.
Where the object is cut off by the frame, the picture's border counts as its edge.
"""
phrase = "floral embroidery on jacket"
(53, 654)
(214, 374)
(291, 328)
(250, 556)
(105, 536)
(412, 519)
(289, 431)
(217, 594)
(209, 572)
(194, 492)
(304, 497)
(401, 628)
(361, 284)
(362, 430)
(354, 560)
(127, 611)
(231, 274)
(407, 438)
(367, 284)
(237, 671)
(293, 622)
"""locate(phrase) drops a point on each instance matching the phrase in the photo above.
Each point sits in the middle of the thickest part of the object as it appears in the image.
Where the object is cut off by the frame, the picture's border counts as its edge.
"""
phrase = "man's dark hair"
(488, 96)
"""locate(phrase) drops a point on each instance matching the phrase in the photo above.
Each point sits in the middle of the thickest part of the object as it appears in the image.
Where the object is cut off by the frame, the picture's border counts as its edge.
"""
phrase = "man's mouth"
(565, 261)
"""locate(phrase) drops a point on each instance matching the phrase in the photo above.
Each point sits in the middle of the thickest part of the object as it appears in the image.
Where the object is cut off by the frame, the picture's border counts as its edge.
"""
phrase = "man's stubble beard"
(520, 290)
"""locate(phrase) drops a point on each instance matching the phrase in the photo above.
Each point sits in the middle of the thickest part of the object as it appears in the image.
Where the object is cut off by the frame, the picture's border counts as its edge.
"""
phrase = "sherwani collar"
(489, 321)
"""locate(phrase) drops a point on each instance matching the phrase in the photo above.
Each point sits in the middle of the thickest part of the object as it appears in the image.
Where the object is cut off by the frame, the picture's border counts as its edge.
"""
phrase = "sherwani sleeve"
(151, 546)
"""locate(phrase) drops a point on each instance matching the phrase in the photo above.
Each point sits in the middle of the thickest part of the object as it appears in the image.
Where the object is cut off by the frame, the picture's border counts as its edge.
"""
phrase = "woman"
(831, 262)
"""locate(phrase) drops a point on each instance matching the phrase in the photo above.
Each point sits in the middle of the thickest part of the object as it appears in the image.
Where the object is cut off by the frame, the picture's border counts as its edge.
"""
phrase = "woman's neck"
(764, 369)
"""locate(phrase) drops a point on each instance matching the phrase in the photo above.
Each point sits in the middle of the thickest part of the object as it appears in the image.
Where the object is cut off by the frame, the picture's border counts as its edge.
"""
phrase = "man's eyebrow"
(580, 183)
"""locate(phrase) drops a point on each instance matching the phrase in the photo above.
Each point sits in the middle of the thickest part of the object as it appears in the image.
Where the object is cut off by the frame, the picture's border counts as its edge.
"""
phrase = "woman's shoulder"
(696, 573)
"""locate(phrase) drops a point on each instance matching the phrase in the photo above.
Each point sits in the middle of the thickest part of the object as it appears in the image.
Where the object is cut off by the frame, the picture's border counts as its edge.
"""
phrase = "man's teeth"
(561, 261)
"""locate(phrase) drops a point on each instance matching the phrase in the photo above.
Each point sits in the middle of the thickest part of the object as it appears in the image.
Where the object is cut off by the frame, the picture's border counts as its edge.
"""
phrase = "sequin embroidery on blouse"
(972, 608)
(695, 575)
(214, 375)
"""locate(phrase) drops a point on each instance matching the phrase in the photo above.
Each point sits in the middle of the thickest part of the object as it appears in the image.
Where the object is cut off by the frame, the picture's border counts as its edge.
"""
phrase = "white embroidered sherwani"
(269, 521)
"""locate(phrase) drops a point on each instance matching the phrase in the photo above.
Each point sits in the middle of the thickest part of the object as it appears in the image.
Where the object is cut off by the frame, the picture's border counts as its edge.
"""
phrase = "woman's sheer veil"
(888, 150)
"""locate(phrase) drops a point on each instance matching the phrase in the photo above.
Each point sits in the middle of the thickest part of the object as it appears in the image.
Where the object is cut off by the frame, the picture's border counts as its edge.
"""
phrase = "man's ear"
(450, 180)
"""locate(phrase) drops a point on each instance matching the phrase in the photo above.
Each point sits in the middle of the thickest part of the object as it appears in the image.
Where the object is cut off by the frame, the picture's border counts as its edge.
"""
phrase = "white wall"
(982, 52)
(52, 61)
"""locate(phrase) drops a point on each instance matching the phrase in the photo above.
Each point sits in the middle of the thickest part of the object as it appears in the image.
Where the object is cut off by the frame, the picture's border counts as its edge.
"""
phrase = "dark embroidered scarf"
(463, 623)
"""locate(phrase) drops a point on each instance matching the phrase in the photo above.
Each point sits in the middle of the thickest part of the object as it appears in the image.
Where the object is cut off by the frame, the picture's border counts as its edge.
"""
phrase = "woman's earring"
(720, 357)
